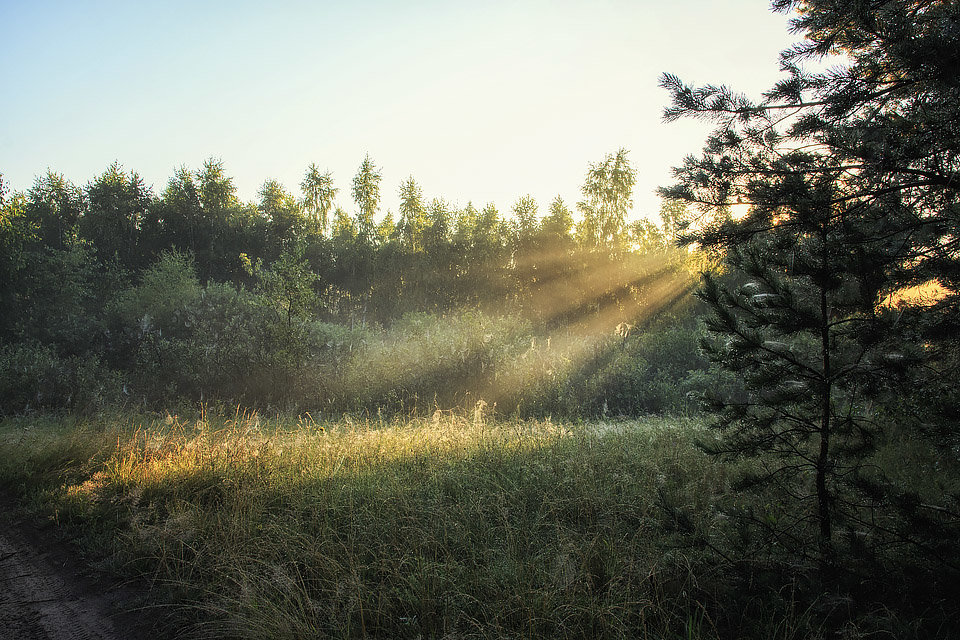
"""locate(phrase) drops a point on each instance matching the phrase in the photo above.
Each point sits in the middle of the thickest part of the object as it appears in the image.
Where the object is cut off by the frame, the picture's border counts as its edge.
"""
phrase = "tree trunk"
(823, 459)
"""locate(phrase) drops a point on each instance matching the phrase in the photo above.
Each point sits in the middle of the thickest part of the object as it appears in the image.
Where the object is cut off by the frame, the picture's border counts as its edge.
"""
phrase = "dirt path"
(46, 594)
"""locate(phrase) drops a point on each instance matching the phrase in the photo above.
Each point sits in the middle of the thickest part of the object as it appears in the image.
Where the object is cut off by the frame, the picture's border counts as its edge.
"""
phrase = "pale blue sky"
(480, 101)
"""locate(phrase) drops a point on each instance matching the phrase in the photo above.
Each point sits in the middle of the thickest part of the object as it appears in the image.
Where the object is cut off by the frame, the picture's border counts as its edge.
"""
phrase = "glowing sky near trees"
(479, 101)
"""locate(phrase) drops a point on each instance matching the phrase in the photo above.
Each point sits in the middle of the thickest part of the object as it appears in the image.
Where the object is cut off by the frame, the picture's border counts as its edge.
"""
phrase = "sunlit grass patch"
(443, 526)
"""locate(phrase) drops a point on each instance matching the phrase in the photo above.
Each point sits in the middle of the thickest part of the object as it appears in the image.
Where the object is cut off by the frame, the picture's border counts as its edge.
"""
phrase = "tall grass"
(439, 527)
(451, 526)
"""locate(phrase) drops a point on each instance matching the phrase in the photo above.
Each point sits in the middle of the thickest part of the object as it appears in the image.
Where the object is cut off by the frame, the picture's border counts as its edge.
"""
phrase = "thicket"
(115, 295)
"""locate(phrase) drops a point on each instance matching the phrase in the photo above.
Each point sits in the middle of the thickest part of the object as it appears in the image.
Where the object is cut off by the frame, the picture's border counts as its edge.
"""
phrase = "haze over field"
(478, 101)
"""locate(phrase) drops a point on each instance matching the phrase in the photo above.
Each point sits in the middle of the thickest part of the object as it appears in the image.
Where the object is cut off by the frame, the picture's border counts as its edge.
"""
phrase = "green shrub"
(33, 376)
(425, 360)
(179, 339)
(651, 372)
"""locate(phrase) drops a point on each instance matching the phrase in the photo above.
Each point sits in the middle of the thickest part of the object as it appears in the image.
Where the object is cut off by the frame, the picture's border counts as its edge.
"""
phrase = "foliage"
(366, 193)
(54, 206)
(607, 198)
(287, 287)
(850, 178)
(33, 377)
(318, 196)
(284, 215)
(655, 372)
(17, 234)
(206, 298)
(58, 299)
(413, 216)
(150, 323)
(198, 213)
(118, 205)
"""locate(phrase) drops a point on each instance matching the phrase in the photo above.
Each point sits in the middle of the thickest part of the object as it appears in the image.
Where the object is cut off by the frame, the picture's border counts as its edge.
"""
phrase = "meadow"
(452, 525)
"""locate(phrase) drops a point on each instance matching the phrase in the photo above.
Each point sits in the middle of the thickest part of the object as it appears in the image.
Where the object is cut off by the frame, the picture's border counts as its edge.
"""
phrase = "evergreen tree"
(180, 221)
(413, 216)
(849, 178)
(55, 205)
(366, 193)
(526, 259)
(118, 204)
(441, 264)
(788, 325)
(17, 234)
(223, 217)
(490, 256)
(287, 223)
(558, 225)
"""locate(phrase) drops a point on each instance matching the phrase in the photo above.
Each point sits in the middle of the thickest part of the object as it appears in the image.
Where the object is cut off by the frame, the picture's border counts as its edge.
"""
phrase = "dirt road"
(44, 593)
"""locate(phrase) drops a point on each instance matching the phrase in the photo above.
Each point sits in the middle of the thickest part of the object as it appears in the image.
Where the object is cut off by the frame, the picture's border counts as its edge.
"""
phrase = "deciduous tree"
(608, 196)
(318, 196)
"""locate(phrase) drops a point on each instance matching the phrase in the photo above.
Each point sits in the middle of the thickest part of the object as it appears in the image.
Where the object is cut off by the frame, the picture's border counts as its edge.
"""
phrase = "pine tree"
(118, 203)
(413, 215)
(55, 205)
(788, 323)
(366, 193)
(849, 180)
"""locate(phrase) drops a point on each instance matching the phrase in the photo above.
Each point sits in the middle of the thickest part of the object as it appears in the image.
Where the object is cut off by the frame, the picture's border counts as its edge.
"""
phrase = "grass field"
(445, 527)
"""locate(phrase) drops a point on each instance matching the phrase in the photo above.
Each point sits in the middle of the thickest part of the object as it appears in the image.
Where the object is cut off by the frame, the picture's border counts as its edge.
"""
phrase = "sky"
(478, 101)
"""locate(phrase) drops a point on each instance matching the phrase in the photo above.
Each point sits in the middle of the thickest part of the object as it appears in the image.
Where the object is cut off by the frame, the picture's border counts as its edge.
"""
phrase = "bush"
(33, 376)
(651, 372)
(425, 360)
(179, 339)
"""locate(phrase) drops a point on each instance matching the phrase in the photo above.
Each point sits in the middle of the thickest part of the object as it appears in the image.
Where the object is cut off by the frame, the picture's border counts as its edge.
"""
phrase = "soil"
(48, 593)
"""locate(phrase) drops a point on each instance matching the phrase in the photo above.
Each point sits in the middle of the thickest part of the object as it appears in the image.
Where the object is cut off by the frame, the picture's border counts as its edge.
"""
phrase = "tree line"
(370, 266)
(193, 293)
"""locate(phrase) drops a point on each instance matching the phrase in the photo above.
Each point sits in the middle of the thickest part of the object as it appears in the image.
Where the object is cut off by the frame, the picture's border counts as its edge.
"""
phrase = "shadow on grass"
(444, 528)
